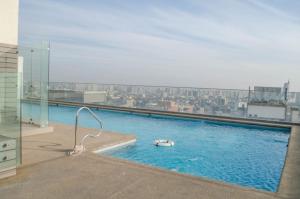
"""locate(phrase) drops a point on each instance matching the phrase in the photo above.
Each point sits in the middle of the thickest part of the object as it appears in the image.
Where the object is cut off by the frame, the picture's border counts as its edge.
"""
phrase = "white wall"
(9, 17)
(94, 96)
(268, 112)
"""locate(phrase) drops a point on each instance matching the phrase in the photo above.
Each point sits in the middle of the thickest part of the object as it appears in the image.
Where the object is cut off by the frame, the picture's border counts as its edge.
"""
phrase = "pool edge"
(259, 122)
(281, 191)
(163, 171)
(114, 146)
(290, 176)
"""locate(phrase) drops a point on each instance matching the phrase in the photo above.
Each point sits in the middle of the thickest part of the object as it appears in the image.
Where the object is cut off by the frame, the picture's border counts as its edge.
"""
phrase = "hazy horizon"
(193, 43)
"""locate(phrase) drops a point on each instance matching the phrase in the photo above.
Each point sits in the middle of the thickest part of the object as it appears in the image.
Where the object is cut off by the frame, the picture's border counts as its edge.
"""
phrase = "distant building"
(201, 110)
(78, 96)
(267, 94)
(221, 101)
(65, 95)
(268, 103)
(130, 102)
(267, 111)
(173, 106)
(242, 105)
(94, 97)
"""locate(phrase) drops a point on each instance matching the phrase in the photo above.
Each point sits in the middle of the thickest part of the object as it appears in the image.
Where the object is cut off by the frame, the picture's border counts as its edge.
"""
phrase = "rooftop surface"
(290, 180)
(49, 146)
(48, 173)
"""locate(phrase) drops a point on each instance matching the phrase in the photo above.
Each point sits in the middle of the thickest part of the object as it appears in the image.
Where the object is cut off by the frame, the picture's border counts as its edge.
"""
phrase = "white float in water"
(163, 143)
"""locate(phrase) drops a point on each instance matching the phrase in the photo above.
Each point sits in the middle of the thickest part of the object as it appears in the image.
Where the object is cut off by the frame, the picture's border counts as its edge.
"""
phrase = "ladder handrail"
(76, 124)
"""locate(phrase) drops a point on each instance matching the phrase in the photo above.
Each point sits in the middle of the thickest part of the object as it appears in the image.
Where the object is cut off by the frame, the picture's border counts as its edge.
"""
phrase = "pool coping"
(290, 176)
(259, 122)
(185, 175)
(114, 146)
(126, 179)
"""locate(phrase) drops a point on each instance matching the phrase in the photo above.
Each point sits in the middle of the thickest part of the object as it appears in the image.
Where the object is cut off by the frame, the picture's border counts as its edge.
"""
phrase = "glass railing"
(10, 126)
(219, 102)
(34, 62)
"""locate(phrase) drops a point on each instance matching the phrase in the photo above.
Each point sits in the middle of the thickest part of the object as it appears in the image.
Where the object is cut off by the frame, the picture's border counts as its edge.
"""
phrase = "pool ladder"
(79, 148)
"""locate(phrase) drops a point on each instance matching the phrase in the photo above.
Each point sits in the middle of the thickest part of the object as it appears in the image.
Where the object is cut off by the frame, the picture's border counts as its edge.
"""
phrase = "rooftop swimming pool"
(250, 156)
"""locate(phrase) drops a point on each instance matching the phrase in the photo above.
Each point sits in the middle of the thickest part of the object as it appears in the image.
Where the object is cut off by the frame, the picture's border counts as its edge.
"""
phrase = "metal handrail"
(80, 148)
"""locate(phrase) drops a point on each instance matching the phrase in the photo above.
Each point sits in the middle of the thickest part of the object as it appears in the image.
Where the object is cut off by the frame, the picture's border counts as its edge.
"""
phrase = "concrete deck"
(48, 146)
(89, 176)
(290, 180)
(48, 173)
(32, 129)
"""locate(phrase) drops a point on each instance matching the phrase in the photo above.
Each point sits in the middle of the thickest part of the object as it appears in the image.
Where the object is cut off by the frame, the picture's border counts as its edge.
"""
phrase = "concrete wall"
(9, 17)
(268, 112)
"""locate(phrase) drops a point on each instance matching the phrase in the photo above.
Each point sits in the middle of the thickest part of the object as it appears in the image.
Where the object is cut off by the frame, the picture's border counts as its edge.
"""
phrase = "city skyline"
(233, 103)
(192, 43)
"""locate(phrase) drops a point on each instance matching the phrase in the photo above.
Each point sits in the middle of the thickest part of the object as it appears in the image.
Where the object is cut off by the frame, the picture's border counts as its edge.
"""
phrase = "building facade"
(10, 126)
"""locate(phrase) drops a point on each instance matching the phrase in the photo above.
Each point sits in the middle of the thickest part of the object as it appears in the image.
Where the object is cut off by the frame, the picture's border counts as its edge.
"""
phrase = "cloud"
(277, 12)
(229, 44)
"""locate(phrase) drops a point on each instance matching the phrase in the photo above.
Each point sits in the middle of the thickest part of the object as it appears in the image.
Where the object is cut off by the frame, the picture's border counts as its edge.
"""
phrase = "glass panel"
(35, 84)
(279, 105)
(44, 84)
(10, 139)
(9, 115)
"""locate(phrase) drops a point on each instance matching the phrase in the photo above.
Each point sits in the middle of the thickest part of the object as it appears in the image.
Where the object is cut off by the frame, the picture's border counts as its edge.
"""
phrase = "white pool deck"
(47, 172)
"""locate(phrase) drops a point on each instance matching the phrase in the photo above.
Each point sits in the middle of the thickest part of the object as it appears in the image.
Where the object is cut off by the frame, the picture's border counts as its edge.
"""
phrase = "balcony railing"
(34, 79)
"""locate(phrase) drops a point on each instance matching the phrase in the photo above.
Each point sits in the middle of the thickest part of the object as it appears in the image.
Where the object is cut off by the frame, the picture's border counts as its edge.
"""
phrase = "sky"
(196, 43)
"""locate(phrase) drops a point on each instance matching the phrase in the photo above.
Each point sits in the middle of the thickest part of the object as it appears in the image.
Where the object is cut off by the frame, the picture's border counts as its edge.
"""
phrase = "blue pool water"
(238, 154)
